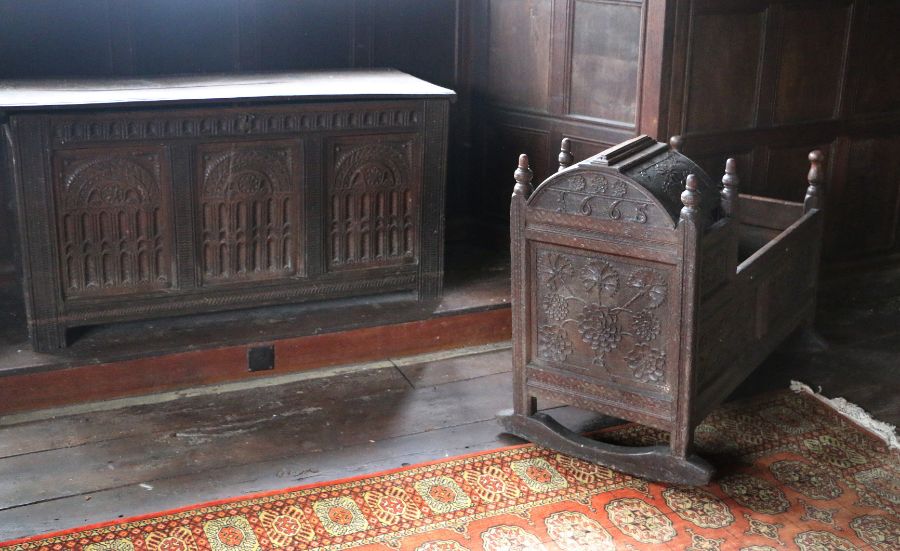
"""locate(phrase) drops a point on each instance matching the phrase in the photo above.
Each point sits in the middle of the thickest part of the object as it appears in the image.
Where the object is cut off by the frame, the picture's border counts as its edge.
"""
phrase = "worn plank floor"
(97, 462)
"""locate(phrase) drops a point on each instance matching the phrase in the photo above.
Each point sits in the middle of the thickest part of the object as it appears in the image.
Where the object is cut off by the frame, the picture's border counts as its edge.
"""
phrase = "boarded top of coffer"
(308, 85)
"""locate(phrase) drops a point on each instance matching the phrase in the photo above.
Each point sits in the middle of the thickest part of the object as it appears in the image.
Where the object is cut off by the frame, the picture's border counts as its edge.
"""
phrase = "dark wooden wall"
(56, 38)
(548, 69)
(767, 80)
(762, 80)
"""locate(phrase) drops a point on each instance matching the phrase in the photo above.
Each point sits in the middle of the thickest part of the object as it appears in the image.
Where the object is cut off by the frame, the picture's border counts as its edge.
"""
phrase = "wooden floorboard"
(344, 414)
(71, 470)
(272, 437)
(433, 373)
(178, 491)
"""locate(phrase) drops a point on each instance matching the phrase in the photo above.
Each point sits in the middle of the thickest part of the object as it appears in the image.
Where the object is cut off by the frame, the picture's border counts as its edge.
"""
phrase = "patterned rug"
(793, 474)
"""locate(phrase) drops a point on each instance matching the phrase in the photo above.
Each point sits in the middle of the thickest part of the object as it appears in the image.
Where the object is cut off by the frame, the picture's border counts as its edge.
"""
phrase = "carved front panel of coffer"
(372, 203)
(603, 317)
(112, 209)
(249, 201)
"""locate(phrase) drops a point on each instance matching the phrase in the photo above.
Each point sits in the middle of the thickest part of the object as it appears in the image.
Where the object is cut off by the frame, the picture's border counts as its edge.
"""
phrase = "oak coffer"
(149, 198)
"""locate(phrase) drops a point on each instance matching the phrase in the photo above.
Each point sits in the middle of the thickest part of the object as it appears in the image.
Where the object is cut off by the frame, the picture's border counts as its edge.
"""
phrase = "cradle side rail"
(771, 294)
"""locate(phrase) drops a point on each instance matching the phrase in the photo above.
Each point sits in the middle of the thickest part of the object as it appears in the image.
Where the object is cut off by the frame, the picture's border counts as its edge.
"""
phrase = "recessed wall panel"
(809, 72)
(722, 81)
(605, 60)
(879, 77)
(519, 53)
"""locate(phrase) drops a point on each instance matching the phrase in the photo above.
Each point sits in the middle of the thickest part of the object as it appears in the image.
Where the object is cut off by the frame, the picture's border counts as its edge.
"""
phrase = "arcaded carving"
(249, 218)
(111, 223)
(372, 205)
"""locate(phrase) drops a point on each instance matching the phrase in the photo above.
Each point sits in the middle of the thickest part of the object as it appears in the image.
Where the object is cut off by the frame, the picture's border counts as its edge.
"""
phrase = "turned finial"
(675, 142)
(565, 154)
(816, 178)
(690, 198)
(730, 183)
(523, 175)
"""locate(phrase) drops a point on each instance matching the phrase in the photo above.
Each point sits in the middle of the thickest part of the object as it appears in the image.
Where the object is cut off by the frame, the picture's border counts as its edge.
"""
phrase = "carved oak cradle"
(140, 199)
(644, 291)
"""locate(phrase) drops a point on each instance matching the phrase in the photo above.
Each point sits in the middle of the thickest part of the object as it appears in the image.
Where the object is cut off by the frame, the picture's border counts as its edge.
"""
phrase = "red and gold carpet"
(793, 474)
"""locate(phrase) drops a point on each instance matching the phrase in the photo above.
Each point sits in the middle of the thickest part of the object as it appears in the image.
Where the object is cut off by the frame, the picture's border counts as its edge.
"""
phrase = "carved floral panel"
(249, 207)
(372, 205)
(602, 316)
(112, 217)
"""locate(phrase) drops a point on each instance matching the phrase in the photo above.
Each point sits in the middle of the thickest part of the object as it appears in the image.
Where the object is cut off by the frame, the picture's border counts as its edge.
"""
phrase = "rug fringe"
(884, 431)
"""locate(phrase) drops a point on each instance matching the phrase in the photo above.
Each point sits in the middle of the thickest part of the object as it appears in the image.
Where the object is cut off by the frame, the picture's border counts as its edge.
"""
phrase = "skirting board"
(105, 381)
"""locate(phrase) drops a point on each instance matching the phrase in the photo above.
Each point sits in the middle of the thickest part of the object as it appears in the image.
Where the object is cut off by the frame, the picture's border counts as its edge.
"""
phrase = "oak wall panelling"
(875, 58)
(736, 77)
(519, 53)
(763, 80)
(722, 90)
(874, 199)
(605, 61)
(549, 69)
(758, 80)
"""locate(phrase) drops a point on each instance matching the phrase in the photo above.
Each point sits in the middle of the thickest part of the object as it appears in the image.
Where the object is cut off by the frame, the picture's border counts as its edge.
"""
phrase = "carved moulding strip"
(560, 385)
(113, 219)
(248, 212)
(602, 317)
(127, 127)
(89, 314)
(434, 177)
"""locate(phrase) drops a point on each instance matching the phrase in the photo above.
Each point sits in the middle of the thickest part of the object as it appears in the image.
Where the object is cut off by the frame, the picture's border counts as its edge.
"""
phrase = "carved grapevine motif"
(645, 326)
(556, 270)
(650, 282)
(597, 313)
(554, 343)
(599, 327)
(648, 364)
(600, 274)
(556, 307)
(665, 178)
